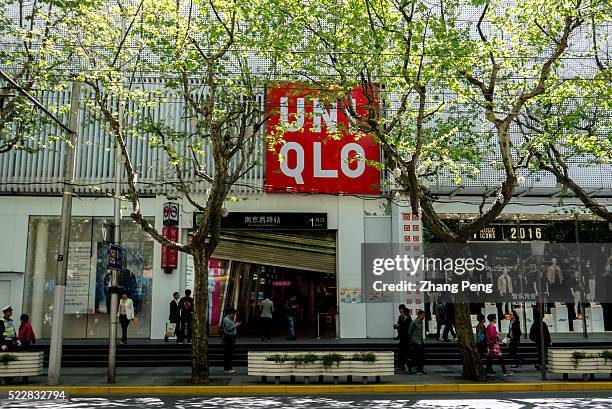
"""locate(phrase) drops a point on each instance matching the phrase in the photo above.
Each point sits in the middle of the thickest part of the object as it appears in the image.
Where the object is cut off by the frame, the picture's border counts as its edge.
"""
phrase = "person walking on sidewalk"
(439, 310)
(230, 332)
(402, 326)
(186, 306)
(291, 309)
(415, 333)
(494, 351)
(265, 317)
(534, 336)
(514, 334)
(449, 322)
(481, 330)
(175, 317)
(26, 332)
(125, 314)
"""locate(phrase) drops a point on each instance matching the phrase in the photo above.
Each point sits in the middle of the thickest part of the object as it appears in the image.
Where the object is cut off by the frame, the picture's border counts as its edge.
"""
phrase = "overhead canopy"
(304, 250)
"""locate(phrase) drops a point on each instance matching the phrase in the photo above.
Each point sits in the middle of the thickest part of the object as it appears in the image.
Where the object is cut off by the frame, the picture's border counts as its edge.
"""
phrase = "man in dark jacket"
(186, 306)
(449, 322)
(403, 323)
(230, 331)
(534, 335)
(440, 317)
(175, 317)
(291, 309)
(417, 343)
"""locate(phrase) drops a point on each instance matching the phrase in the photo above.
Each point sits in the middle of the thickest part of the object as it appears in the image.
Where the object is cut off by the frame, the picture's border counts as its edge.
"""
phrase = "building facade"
(322, 267)
(275, 242)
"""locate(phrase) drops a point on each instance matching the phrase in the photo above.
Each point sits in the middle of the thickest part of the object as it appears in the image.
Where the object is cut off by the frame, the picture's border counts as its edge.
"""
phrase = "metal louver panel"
(313, 251)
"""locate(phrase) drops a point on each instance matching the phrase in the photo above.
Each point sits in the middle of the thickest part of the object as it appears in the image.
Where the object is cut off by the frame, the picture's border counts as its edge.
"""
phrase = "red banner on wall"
(169, 257)
(315, 148)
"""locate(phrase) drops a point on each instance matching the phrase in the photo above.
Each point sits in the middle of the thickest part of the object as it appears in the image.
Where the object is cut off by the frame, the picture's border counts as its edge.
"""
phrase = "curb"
(320, 389)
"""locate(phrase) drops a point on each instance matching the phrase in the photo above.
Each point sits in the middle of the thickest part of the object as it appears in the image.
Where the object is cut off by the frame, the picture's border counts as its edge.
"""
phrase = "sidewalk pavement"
(180, 376)
(176, 380)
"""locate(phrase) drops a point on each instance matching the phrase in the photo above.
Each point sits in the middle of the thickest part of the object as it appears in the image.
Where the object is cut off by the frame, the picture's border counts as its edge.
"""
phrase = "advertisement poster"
(217, 281)
(78, 279)
(351, 295)
(189, 272)
(378, 296)
(135, 280)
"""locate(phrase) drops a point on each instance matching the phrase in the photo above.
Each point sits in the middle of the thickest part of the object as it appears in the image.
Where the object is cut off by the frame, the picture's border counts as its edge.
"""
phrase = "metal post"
(114, 298)
(538, 249)
(542, 323)
(57, 330)
(521, 274)
(581, 281)
(112, 333)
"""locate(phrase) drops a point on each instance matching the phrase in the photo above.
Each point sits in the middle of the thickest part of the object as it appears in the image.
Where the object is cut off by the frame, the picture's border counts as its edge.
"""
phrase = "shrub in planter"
(6, 358)
(577, 356)
(328, 360)
(364, 357)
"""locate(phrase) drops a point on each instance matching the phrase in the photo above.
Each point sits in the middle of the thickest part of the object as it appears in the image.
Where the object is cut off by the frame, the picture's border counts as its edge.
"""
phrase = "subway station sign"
(315, 148)
(270, 221)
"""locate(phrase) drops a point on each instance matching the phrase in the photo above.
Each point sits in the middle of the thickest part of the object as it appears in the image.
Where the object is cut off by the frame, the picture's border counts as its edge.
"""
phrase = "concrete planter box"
(562, 361)
(258, 365)
(27, 364)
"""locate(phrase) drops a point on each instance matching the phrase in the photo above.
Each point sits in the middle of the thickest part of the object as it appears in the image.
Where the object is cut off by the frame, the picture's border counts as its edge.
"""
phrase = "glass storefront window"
(87, 298)
(572, 264)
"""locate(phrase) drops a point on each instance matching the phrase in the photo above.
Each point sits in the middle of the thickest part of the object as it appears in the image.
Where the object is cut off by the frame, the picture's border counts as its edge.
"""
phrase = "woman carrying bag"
(125, 314)
(493, 349)
(26, 333)
(481, 330)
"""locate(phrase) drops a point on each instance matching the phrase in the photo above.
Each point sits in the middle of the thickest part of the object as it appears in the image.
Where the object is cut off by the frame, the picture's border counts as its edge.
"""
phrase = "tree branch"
(174, 160)
(136, 215)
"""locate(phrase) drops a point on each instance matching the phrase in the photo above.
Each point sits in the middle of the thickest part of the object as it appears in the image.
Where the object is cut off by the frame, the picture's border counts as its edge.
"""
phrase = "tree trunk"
(199, 347)
(466, 341)
(472, 363)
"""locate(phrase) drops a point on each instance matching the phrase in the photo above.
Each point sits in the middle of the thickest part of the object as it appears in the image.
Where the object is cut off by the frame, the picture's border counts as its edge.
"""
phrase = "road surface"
(515, 400)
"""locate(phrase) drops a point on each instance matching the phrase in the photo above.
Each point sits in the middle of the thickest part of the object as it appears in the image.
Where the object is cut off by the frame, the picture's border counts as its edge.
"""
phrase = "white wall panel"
(379, 316)
(13, 241)
(350, 236)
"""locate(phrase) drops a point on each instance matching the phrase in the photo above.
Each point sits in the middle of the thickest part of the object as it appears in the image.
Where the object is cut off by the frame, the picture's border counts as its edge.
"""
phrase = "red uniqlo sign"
(169, 257)
(317, 149)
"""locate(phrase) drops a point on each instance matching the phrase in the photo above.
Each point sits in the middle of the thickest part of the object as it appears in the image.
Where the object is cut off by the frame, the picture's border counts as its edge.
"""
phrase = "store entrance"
(315, 294)
(278, 265)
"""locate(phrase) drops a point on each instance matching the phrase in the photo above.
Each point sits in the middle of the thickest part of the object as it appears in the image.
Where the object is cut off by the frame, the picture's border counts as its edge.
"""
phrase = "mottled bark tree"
(196, 48)
(431, 85)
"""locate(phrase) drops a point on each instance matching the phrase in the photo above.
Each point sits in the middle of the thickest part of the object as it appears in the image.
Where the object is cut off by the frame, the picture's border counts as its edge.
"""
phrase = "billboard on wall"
(313, 147)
